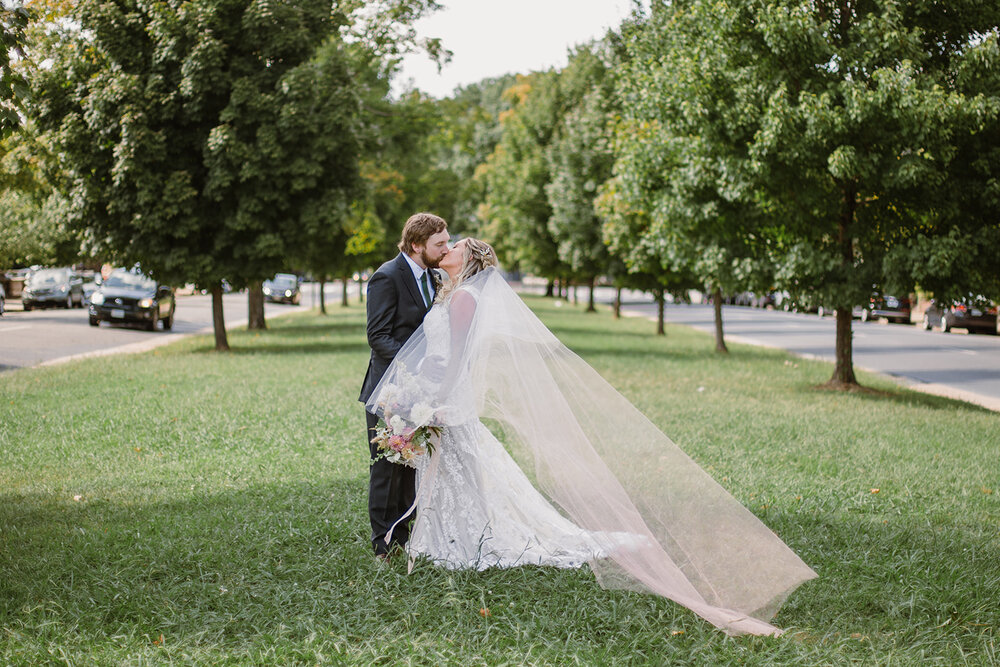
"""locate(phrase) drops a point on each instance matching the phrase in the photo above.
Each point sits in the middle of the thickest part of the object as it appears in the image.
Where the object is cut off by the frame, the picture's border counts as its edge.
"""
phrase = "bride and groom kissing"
(581, 476)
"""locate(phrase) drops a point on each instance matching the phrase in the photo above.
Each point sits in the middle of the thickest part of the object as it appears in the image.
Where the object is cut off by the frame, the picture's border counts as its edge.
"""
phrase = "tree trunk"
(343, 292)
(843, 372)
(322, 296)
(550, 288)
(661, 301)
(361, 289)
(255, 306)
(219, 320)
(720, 341)
(591, 308)
(618, 303)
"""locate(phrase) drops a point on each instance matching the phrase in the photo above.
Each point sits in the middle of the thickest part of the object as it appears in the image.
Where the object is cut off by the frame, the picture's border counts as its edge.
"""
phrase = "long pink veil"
(597, 458)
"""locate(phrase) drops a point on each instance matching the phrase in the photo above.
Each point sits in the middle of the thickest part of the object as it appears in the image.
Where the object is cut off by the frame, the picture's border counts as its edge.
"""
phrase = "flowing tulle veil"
(597, 458)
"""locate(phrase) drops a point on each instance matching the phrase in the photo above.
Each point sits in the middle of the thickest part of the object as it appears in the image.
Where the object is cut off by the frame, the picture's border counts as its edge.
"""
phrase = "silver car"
(52, 287)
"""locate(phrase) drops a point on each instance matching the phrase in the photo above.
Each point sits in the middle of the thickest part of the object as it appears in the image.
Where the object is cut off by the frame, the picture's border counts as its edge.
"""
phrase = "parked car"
(90, 285)
(3, 300)
(892, 308)
(132, 297)
(974, 315)
(282, 288)
(52, 287)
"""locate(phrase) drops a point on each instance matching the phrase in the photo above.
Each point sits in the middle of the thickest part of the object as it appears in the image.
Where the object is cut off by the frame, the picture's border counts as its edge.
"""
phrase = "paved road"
(962, 365)
(54, 335)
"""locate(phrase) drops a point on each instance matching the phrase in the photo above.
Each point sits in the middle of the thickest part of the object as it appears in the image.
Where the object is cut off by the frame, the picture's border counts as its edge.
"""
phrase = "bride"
(567, 471)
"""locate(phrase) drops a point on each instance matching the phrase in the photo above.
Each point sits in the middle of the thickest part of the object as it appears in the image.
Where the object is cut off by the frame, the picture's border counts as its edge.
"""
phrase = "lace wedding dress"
(581, 475)
(477, 509)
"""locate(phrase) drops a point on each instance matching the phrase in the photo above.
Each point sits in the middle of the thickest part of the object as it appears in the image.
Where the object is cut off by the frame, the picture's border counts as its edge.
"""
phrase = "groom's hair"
(419, 228)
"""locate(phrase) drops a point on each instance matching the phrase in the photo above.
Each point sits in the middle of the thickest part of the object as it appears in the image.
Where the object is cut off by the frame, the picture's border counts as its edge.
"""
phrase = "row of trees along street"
(825, 148)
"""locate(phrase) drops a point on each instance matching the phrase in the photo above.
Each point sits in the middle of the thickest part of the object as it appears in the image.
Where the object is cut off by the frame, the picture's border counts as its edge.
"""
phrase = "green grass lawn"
(184, 506)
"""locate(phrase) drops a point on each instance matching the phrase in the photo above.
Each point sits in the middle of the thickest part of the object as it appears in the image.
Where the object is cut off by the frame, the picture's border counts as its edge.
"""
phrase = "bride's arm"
(461, 311)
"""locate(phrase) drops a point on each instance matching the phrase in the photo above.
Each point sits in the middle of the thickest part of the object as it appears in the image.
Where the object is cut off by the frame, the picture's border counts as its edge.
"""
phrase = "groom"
(399, 295)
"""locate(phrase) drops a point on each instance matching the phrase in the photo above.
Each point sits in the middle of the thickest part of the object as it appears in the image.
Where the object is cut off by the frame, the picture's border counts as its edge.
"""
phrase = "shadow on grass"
(263, 569)
(272, 564)
(568, 329)
(242, 348)
(303, 336)
(902, 396)
(596, 346)
(300, 328)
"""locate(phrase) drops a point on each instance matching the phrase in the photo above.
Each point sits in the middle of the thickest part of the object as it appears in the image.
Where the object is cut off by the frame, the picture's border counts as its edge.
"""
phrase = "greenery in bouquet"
(400, 442)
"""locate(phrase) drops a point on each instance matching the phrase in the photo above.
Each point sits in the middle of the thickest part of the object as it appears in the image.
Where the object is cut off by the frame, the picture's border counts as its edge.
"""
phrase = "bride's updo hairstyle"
(476, 256)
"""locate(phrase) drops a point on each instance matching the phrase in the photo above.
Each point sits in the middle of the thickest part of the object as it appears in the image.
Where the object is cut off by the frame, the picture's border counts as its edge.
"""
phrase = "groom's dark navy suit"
(395, 310)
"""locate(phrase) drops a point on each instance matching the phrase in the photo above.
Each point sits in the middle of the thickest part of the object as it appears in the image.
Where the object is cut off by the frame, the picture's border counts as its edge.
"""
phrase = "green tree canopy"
(579, 160)
(14, 21)
(849, 124)
(199, 137)
(516, 209)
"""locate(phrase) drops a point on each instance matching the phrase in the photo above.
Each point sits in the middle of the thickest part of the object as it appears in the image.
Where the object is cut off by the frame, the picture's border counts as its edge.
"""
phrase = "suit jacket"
(395, 310)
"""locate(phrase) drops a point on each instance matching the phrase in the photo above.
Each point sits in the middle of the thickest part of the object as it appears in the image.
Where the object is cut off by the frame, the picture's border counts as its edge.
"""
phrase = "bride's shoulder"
(462, 303)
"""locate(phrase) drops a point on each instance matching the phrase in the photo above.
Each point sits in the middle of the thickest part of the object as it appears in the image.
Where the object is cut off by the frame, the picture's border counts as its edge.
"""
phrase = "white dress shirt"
(418, 274)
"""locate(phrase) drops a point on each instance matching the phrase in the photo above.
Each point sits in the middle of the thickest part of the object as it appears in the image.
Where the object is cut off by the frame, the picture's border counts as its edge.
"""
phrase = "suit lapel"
(410, 281)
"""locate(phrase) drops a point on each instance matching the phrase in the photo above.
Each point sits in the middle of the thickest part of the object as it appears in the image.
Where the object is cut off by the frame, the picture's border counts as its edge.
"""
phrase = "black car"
(131, 297)
(283, 288)
(974, 315)
(52, 287)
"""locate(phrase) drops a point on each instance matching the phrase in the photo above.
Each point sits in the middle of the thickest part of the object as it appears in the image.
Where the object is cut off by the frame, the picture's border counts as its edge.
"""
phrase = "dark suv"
(52, 287)
(131, 297)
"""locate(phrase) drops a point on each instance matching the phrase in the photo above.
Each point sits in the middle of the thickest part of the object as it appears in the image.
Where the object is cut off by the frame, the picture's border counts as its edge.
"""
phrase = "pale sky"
(494, 37)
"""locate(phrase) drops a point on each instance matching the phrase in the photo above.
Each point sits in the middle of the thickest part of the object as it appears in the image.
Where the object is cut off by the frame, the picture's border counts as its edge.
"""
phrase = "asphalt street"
(54, 335)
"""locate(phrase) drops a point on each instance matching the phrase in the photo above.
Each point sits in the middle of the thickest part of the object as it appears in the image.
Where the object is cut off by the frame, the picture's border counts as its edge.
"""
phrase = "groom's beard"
(428, 262)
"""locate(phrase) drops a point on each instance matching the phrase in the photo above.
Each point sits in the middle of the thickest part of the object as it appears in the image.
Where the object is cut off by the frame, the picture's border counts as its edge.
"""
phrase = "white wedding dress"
(477, 509)
(581, 477)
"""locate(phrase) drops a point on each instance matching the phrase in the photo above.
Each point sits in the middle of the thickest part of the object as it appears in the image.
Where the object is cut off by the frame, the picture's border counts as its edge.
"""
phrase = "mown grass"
(187, 507)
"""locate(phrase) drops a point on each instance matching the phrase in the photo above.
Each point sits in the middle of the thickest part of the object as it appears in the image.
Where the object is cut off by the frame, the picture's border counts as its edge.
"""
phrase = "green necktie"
(426, 288)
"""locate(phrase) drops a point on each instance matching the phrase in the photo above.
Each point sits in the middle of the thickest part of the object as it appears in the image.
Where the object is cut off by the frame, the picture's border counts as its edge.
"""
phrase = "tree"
(844, 122)
(860, 141)
(580, 160)
(689, 162)
(627, 231)
(468, 131)
(198, 137)
(516, 210)
(32, 229)
(13, 24)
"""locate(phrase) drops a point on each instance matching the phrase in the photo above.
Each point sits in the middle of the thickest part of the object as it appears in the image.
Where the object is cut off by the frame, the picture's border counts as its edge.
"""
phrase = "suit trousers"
(392, 490)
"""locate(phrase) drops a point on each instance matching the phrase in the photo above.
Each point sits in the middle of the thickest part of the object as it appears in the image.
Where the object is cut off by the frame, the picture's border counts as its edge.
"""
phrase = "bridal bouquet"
(409, 428)
(399, 443)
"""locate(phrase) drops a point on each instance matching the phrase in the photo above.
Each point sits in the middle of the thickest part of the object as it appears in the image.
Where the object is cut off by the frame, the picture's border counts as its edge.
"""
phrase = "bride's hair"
(476, 256)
